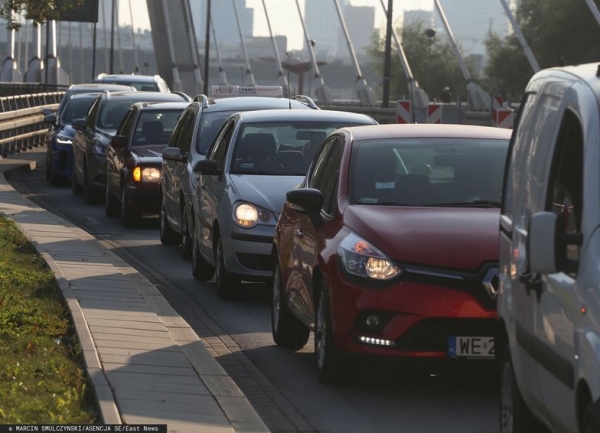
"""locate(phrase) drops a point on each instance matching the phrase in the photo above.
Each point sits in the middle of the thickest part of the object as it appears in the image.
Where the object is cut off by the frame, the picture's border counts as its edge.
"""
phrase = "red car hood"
(459, 238)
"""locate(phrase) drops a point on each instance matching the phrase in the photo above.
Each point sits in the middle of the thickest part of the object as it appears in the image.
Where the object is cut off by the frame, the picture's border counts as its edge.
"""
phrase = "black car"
(94, 133)
(59, 139)
(95, 88)
(145, 83)
(134, 160)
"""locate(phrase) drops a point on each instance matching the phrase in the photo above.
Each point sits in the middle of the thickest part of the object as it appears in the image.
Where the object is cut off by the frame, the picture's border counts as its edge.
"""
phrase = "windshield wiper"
(476, 203)
(387, 203)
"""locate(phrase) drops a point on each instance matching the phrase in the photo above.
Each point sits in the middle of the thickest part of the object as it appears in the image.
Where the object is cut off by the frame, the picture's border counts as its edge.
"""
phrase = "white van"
(549, 293)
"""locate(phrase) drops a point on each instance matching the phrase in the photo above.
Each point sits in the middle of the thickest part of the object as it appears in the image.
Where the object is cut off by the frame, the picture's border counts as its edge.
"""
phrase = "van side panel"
(534, 138)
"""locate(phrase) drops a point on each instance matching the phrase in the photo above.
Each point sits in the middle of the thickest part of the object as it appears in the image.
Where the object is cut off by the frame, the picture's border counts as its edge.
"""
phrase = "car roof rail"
(203, 99)
(184, 95)
(306, 100)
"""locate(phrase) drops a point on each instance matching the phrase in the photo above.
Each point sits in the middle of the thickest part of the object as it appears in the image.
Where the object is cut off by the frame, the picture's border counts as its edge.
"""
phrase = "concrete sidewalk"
(146, 364)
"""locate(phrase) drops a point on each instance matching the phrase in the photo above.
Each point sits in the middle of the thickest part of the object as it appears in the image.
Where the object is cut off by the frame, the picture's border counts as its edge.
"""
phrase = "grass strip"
(42, 379)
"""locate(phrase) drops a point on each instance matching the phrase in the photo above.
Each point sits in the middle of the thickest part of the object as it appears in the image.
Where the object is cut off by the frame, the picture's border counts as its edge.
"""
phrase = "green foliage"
(37, 10)
(507, 71)
(41, 374)
(556, 31)
(433, 62)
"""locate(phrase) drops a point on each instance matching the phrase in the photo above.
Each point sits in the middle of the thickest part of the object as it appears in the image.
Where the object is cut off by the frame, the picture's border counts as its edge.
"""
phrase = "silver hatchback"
(256, 158)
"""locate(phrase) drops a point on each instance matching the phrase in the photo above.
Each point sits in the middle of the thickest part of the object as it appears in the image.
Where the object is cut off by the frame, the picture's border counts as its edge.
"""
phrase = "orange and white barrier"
(505, 117)
(434, 113)
(403, 111)
(497, 104)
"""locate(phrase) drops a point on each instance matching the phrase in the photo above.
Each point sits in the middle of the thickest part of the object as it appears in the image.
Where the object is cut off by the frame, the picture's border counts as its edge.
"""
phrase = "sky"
(282, 15)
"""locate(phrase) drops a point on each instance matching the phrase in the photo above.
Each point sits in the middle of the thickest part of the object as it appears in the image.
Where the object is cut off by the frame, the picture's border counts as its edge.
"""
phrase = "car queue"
(383, 240)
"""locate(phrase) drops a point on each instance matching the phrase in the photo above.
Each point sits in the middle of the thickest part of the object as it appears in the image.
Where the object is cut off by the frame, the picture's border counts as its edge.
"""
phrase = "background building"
(224, 20)
(472, 21)
(360, 21)
(322, 26)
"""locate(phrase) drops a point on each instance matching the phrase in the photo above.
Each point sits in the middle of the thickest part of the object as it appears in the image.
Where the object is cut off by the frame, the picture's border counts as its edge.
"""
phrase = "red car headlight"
(360, 258)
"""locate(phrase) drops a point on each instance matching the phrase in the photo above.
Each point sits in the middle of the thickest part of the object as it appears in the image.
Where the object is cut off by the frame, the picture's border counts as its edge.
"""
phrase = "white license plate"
(471, 347)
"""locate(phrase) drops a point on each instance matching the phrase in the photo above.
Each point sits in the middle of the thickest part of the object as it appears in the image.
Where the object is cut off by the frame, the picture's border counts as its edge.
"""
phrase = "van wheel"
(228, 286)
(287, 330)
(515, 416)
(167, 234)
(331, 367)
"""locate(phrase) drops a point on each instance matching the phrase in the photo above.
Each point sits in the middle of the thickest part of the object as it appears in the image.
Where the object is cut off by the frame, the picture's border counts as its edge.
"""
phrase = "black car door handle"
(299, 233)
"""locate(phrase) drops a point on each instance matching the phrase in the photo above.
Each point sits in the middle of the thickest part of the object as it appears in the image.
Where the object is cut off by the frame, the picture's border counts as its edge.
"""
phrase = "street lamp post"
(387, 62)
(430, 34)
(207, 47)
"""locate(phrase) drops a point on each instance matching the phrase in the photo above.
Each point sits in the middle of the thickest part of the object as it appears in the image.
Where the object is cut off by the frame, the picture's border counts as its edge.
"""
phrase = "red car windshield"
(427, 172)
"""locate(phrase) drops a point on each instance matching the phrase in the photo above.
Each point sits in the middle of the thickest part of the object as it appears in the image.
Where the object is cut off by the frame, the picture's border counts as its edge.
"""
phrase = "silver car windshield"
(279, 148)
(427, 172)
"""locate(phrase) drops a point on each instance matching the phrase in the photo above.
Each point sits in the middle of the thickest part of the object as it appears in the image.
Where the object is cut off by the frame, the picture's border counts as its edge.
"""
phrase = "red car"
(389, 247)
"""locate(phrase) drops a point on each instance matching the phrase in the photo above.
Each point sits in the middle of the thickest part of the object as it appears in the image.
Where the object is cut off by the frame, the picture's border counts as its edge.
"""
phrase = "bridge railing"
(22, 123)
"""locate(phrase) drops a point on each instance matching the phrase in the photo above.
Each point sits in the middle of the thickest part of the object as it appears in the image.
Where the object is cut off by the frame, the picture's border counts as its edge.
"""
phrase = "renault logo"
(490, 282)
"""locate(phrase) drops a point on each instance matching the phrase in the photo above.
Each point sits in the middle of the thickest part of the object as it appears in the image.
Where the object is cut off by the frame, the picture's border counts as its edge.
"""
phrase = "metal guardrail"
(22, 123)
(451, 113)
(12, 89)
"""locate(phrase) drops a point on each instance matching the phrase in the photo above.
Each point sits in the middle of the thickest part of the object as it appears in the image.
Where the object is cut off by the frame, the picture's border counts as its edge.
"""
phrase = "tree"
(507, 71)
(36, 10)
(556, 30)
(432, 62)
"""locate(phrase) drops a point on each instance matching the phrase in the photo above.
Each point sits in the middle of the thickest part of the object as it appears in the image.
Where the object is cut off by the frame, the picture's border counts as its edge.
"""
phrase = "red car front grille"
(431, 335)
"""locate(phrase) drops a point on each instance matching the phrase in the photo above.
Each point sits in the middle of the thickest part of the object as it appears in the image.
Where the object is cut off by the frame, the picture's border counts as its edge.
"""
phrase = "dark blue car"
(59, 142)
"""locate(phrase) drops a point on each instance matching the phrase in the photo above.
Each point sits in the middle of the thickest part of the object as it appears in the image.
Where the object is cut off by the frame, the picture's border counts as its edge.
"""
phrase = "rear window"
(143, 86)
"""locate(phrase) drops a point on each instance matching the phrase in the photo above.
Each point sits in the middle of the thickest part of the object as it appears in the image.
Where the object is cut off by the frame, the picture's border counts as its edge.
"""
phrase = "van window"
(565, 186)
(517, 152)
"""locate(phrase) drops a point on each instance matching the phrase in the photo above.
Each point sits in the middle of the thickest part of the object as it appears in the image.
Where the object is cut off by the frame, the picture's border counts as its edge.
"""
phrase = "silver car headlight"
(247, 215)
(360, 258)
(146, 174)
